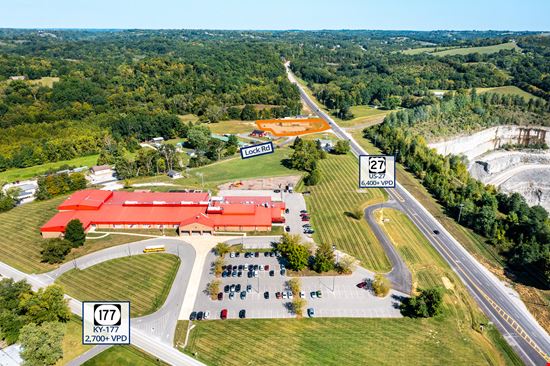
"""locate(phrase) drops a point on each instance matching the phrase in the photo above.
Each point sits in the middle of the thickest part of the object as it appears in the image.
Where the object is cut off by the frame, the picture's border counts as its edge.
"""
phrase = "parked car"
(289, 295)
(255, 267)
(266, 267)
(232, 255)
(245, 267)
(266, 254)
(256, 273)
(266, 295)
(278, 295)
(232, 288)
(234, 274)
(302, 294)
(283, 272)
(229, 267)
(243, 295)
(287, 210)
(206, 315)
(250, 274)
(319, 294)
(306, 226)
(200, 315)
(238, 287)
(223, 314)
(309, 231)
(257, 254)
(248, 288)
(224, 274)
(285, 295)
(287, 229)
(231, 295)
(272, 273)
(305, 218)
(193, 315)
(242, 314)
(260, 268)
(311, 312)
(220, 296)
(276, 191)
(362, 284)
(240, 267)
(303, 211)
(272, 254)
(237, 254)
(313, 294)
(240, 274)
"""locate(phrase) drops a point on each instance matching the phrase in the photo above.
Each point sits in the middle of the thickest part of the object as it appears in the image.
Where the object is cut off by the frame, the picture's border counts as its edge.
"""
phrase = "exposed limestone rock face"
(526, 172)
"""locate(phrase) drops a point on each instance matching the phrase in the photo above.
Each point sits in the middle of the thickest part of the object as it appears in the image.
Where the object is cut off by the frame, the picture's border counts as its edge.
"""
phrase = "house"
(174, 174)
(326, 145)
(259, 133)
(18, 77)
(192, 153)
(101, 174)
(26, 188)
(157, 140)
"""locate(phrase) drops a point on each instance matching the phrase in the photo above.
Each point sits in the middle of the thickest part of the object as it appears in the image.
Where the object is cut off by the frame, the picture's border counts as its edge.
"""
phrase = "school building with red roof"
(187, 212)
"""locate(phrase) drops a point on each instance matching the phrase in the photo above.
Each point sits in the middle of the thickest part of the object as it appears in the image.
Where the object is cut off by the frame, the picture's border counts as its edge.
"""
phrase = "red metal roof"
(159, 208)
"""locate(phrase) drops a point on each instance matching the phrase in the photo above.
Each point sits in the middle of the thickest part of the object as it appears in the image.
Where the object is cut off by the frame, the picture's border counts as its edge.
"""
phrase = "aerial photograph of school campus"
(274, 183)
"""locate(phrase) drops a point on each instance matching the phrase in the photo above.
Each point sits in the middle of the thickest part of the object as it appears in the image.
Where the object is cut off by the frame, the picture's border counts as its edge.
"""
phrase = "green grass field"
(446, 339)
(336, 194)
(123, 356)
(233, 126)
(46, 81)
(507, 90)
(72, 342)
(20, 240)
(11, 175)
(363, 116)
(144, 280)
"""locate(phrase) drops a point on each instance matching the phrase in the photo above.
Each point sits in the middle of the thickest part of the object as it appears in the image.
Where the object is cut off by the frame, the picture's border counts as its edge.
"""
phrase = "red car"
(220, 296)
(278, 295)
(305, 218)
(362, 284)
(223, 314)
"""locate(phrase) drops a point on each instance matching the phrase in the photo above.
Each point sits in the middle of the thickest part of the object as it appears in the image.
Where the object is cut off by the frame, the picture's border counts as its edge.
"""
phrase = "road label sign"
(376, 171)
(257, 150)
(106, 322)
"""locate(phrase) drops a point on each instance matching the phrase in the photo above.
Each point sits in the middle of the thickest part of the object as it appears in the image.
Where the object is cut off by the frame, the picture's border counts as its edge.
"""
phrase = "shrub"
(55, 250)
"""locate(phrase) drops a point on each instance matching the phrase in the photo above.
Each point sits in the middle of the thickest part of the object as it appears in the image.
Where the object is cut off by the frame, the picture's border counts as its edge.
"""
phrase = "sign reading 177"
(376, 171)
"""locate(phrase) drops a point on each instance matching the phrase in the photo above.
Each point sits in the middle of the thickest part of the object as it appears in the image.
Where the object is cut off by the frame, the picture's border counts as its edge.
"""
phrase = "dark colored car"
(220, 296)
(243, 295)
(250, 274)
(229, 267)
(272, 273)
(257, 254)
(362, 284)
(223, 314)
(238, 287)
(237, 254)
(272, 254)
(255, 267)
(226, 288)
(436, 232)
(266, 254)
(200, 315)
(276, 191)
(305, 218)
(193, 316)
(266, 295)
(240, 268)
(242, 314)
(240, 274)
(287, 210)
(278, 295)
(303, 211)
(287, 229)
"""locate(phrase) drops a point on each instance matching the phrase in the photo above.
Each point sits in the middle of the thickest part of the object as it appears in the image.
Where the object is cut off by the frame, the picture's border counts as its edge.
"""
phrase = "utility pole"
(460, 212)
(74, 261)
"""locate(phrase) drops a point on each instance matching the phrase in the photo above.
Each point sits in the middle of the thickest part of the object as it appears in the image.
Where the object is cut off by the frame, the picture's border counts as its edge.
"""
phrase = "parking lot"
(340, 295)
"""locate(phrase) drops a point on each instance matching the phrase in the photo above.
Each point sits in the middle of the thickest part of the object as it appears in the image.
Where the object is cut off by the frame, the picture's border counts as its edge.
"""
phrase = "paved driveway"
(341, 296)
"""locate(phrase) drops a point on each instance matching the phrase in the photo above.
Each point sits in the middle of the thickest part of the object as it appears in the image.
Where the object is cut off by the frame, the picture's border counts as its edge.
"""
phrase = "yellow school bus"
(154, 249)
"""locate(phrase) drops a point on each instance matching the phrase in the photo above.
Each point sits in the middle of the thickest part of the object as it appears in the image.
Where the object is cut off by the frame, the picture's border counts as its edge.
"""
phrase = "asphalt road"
(500, 304)
(399, 276)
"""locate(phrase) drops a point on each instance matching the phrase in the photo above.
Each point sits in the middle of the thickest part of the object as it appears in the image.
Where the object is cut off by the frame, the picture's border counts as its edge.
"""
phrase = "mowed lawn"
(21, 242)
(12, 175)
(363, 115)
(481, 50)
(144, 280)
(448, 339)
(336, 194)
(123, 356)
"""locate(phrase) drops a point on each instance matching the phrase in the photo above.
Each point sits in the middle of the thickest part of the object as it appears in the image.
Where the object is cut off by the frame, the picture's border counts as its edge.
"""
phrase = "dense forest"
(521, 233)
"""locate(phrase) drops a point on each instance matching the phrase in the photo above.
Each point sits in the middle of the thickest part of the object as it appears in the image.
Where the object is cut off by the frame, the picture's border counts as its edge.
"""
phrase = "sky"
(279, 14)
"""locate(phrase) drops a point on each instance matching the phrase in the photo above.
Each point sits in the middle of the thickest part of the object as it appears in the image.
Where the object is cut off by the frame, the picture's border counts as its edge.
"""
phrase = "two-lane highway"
(500, 304)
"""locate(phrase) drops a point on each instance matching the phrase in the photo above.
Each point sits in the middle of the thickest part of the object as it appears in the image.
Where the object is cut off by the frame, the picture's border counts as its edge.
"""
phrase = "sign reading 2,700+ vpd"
(106, 322)
(257, 150)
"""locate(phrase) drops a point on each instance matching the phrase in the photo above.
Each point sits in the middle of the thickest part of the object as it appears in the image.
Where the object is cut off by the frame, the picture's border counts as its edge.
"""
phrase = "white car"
(232, 255)
(302, 294)
(206, 315)
(256, 274)
(260, 268)
(285, 295)
(290, 296)
(245, 267)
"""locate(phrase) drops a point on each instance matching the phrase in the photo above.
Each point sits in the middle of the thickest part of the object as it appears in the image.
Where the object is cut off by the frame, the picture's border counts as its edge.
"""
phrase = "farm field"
(144, 280)
(364, 116)
(232, 127)
(123, 356)
(336, 195)
(20, 240)
(46, 81)
(481, 50)
(12, 175)
(505, 90)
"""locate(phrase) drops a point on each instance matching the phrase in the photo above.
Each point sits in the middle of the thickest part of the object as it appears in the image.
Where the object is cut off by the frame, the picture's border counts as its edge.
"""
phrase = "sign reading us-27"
(257, 150)
(376, 171)
(106, 322)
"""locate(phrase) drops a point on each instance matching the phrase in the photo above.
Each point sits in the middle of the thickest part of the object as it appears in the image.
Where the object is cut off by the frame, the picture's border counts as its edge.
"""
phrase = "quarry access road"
(499, 178)
(520, 329)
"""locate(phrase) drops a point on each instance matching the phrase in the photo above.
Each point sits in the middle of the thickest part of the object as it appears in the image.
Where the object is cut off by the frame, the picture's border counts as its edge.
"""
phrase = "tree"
(42, 344)
(305, 155)
(74, 233)
(213, 288)
(10, 326)
(295, 285)
(55, 250)
(297, 306)
(221, 249)
(346, 264)
(249, 113)
(425, 305)
(45, 305)
(381, 285)
(341, 147)
(294, 251)
(324, 258)
(198, 137)
(392, 102)
(313, 177)
(218, 266)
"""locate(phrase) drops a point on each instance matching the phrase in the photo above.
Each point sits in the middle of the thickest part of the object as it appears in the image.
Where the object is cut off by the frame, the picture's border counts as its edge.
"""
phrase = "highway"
(500, 304)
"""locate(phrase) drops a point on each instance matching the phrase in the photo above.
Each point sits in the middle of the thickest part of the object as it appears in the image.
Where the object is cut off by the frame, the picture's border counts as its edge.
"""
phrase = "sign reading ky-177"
(376, 171)
(106, 322)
